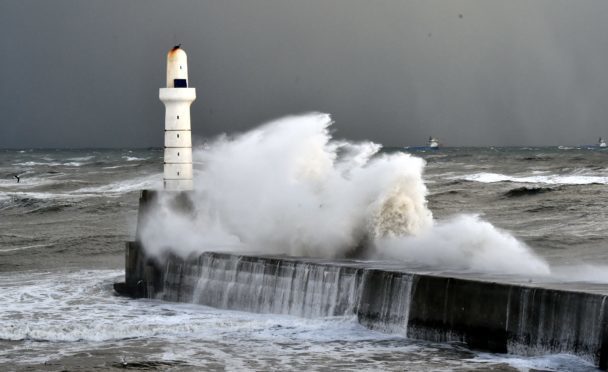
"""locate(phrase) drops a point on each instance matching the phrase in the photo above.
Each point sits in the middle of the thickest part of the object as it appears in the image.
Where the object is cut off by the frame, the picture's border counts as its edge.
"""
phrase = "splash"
(465, 243)
(288, 187)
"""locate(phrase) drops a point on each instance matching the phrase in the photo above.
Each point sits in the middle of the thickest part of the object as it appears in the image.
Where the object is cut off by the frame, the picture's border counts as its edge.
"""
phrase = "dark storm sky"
(87, 73)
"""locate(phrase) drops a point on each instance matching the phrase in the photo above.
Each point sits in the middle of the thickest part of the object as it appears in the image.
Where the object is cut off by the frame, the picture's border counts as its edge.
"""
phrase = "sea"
(64, 224)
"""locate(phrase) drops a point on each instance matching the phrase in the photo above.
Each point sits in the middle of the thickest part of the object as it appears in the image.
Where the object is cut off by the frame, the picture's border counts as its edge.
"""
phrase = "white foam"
(572, 179)
(76, 312)
(46, 195)
(13, 189)
(35, 163)
(74, 162)
(133, 158)
(119, 166)
(82, 158)
(153, 181)
(25, 247)
(465, 243)
(79, 306)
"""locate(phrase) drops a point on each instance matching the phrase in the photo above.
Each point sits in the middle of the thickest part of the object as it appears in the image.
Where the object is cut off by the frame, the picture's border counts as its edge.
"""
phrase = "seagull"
(17, 177)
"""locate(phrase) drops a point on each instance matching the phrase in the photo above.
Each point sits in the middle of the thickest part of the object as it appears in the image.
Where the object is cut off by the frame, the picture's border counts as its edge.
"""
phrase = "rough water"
(62, 229)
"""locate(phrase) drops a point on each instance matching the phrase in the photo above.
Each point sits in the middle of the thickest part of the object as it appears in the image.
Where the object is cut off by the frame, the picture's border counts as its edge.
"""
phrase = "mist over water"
(288, 187)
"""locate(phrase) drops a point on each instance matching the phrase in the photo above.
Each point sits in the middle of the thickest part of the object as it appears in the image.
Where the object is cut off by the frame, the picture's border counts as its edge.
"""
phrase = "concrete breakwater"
(520, 318)
(484, 315)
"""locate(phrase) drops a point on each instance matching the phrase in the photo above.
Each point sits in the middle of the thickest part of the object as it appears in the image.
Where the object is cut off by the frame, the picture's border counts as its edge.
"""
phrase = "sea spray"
(465, 243)
(287, 187)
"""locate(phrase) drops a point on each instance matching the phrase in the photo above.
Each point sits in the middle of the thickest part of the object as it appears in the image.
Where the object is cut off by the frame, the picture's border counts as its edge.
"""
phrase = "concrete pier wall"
(515, 318)
(484, 315)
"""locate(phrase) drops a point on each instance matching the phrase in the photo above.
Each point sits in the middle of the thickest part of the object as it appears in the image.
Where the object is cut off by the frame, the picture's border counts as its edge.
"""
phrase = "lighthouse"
(177, 97)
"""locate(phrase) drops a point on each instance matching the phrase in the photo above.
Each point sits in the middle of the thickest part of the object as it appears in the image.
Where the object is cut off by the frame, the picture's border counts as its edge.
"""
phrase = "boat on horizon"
(433, 143)
(601, 142)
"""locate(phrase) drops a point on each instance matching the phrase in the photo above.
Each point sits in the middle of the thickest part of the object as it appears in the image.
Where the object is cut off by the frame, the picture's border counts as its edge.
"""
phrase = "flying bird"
(17, 177)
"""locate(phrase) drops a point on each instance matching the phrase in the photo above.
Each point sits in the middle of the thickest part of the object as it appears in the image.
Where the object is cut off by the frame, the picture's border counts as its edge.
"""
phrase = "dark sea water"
(62, 233)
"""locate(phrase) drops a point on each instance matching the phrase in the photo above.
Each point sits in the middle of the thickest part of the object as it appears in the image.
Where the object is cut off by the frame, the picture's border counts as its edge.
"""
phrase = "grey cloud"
(87, 73)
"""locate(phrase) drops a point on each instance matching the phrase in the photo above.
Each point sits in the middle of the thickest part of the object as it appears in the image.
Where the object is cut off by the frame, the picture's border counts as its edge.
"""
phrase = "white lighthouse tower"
(177, 97)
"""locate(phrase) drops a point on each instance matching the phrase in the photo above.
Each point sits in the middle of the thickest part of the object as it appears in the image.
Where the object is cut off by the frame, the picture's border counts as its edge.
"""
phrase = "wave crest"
(288, 187)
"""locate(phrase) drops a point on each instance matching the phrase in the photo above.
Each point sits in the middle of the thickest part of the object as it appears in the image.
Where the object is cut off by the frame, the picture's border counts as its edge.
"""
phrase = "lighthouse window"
(180, 83)
(180, 67)
(178, 135)
(177, 117)
(178, 173)
(178, 154)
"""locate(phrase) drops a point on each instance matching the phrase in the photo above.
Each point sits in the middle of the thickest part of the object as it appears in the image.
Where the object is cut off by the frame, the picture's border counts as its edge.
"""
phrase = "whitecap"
(119, 166)
(25, 247)
(82, 158)
(46, 195)
(35, 163)
(147, 182)
(133, 158)
(576, 178)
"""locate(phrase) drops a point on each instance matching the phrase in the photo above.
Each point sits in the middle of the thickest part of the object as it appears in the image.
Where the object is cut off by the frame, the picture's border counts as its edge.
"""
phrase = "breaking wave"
(466, 243)
(133, 158)
(153, 181)
(36, 163)
(551, 179)
(288, 187)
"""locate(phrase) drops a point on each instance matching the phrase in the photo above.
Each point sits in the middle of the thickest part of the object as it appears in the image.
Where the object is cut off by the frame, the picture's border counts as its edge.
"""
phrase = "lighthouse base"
(178, 185)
